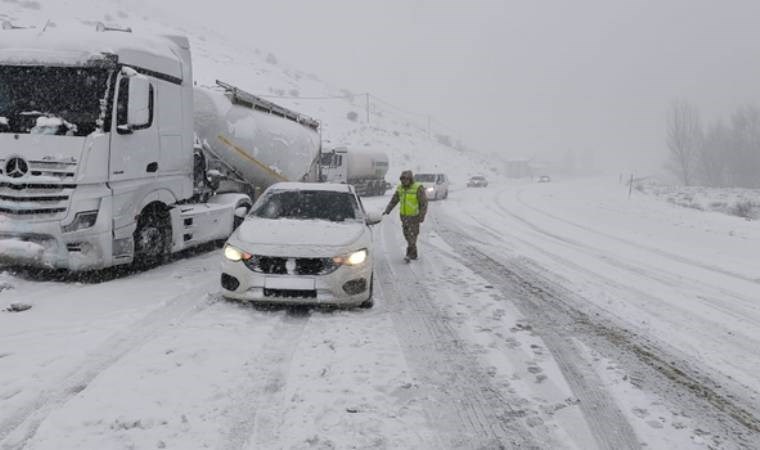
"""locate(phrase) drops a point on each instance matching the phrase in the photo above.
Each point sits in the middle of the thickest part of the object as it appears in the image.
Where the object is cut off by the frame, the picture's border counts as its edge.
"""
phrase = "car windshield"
(478, 178)
(297, 204)
(425, 177)
(52, 100)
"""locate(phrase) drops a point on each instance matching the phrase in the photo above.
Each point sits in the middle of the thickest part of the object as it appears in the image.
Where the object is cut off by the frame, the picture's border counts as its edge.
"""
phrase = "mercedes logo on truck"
(16, 167)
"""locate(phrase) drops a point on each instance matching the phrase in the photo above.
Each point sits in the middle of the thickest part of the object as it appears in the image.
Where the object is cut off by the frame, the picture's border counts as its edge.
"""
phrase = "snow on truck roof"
(79, 46)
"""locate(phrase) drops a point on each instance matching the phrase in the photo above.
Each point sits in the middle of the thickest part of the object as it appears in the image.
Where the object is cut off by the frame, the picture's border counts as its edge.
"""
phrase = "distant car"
(436, 185)
(477, 181)
(544, 179)
(303, 243)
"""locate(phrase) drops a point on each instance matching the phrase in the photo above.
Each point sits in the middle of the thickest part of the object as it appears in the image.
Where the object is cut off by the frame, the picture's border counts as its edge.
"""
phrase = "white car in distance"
(436, 185)
(302, 243)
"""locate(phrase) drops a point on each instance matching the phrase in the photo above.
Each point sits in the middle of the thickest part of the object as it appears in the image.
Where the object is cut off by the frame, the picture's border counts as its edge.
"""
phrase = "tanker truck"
(362, 168)
(109, 155)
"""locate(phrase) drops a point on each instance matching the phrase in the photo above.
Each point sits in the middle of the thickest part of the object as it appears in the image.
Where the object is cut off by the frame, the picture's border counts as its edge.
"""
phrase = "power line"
(430, 119)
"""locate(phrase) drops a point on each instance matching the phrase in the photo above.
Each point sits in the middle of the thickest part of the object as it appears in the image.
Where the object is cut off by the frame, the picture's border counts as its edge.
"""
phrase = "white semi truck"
(106, 146)
(364, 169)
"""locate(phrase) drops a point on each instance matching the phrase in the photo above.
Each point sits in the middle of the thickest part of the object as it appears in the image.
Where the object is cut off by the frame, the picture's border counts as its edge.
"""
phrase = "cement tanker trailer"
(249, 143)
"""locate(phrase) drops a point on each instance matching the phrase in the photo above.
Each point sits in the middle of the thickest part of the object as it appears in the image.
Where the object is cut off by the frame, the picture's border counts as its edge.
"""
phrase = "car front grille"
(300, 266)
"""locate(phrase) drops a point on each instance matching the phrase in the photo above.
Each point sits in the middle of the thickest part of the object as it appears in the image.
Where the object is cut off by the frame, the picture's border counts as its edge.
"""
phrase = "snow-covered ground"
(552, 315)
(558, 315)
(734, 201)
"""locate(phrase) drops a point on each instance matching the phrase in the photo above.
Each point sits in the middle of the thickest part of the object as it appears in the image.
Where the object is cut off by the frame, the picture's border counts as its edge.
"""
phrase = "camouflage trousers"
(410, 225)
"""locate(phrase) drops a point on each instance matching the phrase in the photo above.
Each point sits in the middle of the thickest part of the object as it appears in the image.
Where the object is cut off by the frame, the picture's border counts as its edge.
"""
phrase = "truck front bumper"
(31, 242)
(43, 245)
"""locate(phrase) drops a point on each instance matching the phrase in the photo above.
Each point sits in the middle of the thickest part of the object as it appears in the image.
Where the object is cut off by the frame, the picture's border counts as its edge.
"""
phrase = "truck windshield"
(324, 205)
(51, 100)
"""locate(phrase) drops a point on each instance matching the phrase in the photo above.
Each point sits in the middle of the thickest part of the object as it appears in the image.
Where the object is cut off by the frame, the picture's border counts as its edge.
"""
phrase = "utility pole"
(366, 96)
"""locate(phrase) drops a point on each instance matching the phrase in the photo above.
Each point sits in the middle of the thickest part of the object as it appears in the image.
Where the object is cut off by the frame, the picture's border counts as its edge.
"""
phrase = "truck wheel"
(152, 239)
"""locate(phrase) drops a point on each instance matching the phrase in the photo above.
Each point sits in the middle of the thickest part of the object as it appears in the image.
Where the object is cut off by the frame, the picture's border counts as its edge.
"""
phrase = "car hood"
(299, 238)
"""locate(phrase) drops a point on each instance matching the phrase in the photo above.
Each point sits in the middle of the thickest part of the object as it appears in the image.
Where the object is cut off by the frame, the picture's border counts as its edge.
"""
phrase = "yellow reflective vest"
(409, 203)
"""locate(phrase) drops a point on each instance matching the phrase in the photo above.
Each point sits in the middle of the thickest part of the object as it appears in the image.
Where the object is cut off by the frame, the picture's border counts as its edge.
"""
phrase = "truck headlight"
(235, 254)
(82, 220)
(352, 259)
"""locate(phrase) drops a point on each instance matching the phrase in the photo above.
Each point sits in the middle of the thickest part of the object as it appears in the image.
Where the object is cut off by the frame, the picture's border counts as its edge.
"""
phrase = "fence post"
(630, 186)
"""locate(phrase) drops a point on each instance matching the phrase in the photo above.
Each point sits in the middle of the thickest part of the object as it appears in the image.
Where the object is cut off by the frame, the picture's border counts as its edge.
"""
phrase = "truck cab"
(96, 149)
(363, 169)
(332, 165)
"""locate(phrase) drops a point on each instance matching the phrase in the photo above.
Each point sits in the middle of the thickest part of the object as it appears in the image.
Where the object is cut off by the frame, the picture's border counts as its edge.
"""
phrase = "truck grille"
(279, 265)
(34, 199)
(52, 169)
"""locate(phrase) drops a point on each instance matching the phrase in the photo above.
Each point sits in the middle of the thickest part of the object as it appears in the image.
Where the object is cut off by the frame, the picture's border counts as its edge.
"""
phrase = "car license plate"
(294, 283)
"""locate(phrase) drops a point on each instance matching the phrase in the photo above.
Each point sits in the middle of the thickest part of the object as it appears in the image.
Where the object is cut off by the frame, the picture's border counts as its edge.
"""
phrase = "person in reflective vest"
(412, 201)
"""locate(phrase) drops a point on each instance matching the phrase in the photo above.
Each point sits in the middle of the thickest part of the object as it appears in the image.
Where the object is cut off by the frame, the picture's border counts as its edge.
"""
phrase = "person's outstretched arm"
(391, 204)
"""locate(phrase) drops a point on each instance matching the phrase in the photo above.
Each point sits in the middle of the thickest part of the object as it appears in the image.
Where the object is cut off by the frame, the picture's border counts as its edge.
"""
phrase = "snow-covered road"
(560, 315)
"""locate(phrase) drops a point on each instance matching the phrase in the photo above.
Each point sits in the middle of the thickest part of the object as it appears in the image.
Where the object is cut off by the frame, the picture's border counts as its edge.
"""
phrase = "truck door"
(134, 147)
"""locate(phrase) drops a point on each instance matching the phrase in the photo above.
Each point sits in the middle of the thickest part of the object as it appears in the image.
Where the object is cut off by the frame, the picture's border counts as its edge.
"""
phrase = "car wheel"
(366, 304)
(446, 194)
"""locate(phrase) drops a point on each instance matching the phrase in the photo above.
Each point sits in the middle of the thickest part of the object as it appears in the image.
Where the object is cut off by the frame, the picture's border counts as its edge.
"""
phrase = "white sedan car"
(303, 243)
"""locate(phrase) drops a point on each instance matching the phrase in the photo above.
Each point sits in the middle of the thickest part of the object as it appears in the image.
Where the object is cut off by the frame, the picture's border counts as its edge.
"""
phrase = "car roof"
(327, 187)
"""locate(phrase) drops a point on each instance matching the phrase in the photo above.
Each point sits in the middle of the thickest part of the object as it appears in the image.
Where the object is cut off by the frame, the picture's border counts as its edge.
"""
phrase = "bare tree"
(714, 150)
(744, 157)
(684, 137)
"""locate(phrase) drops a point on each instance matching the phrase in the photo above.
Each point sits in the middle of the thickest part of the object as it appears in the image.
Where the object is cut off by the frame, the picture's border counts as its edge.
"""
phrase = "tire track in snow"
(470, 412)
(19, 428)
(553, 308)
(606, 422)
(664, 276)
(638, 245)
(257, 414)
(743, 310)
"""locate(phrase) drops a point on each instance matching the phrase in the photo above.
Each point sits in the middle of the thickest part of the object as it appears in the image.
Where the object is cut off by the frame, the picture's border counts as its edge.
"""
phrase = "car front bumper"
(241, 283)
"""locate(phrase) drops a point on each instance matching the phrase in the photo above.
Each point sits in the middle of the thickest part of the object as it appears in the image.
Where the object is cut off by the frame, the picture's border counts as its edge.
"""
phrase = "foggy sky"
(519, 78)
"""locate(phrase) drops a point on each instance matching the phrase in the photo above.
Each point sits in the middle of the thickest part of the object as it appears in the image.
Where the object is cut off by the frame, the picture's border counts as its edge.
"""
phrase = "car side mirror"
(373, 218)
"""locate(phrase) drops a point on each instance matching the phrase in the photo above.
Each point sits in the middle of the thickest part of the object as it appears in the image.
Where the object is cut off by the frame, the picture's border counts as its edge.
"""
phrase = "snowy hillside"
(252, 68)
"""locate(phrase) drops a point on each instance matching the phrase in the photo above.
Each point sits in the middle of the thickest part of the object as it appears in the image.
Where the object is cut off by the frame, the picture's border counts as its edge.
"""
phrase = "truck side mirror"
(140, 106)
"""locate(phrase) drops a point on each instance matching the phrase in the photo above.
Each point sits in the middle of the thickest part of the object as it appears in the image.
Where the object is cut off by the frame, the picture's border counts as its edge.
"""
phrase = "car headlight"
(235, 254)
(352, 259)
(82, 220)
(430, 189)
